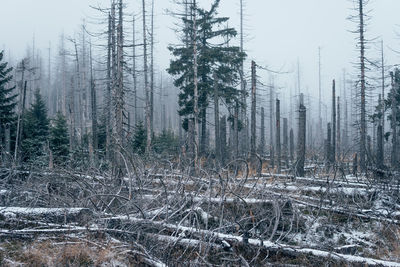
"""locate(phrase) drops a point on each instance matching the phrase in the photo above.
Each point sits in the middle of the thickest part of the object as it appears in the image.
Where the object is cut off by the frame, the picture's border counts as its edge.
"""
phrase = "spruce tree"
(36, 130)
(215, 56)
(139, 138)
(59, 139)
(7, 98)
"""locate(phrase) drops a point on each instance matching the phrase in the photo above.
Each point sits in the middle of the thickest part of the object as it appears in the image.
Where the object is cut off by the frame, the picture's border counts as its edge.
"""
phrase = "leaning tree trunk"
(301, 143)
(278, 135)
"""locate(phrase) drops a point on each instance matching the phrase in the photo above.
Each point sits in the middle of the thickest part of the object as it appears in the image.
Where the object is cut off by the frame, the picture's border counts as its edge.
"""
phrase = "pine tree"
(222, 60)
(59, 139)
(36, 130)
(7, 98)
(139, 138)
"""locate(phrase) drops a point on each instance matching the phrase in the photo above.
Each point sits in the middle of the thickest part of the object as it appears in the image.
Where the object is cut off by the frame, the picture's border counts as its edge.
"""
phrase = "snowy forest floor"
(163, 215)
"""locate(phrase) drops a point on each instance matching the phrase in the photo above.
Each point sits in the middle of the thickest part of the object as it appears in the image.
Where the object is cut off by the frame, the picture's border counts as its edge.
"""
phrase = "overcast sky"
(279, 32)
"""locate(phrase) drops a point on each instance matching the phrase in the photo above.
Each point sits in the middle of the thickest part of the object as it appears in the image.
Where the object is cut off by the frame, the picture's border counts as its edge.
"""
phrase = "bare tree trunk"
(146, 82)
(216, 120)
(152, 69)
(222, 136)
(278, 135)
(20, 121)
(108, 90)
(78, 88)
(379, 149)
(253, 109)
(321, 138)
(119, 93)
(383, 98)
(363, 130)
(271, 127)
(244, 135)
(134, 76)
(262, 132)
(196, 91)
(329, 144)
(338, 131)
(93, 107)
(236, 129)
(301, 143)
(71, 112)
(291, 145)
(333, 149)
(285, 141)
(394, 159)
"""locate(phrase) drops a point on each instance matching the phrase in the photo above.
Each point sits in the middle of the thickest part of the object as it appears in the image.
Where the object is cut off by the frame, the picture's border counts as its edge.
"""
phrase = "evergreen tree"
(36, 130)
(139, 138)
(7, 98)
(166, 142)
(215, 56)
(59, 140)
(377, 116)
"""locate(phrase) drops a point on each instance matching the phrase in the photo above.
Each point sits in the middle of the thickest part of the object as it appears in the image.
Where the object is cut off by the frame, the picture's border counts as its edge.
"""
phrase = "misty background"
(280, 35)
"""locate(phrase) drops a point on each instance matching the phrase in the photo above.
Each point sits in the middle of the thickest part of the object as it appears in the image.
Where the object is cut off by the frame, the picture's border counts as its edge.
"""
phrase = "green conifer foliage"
(7, 98)
(36, 130)
(139, 138)
(215, 56)
(59, 140)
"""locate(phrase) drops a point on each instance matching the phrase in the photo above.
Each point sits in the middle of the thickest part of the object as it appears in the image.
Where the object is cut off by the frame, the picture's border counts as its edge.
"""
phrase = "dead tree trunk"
(253, 109)
(379, 142)
(394, 123)
(363, 126)
(285, 142)
(236, 129)
(291, 145)
(271, 128)
(93, 107)
(262, 132)
(134, 76)
(338, 137)
(222, 136)
(195, 90)
(216, 121)
(301, 143)
(333, 149)
(108, 91)
(119, 93)
(152, 70)
(278, 135)
(329, 144)
(379, 149)
(146, 82)
(243, 119)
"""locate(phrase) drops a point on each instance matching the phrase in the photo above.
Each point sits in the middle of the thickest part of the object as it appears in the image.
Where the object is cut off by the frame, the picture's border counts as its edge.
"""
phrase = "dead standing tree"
(301, 143)
(278, 135)
(253, 110)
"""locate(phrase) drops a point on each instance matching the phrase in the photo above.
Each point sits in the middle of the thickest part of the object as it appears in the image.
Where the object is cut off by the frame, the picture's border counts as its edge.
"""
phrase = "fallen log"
(81, 216)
